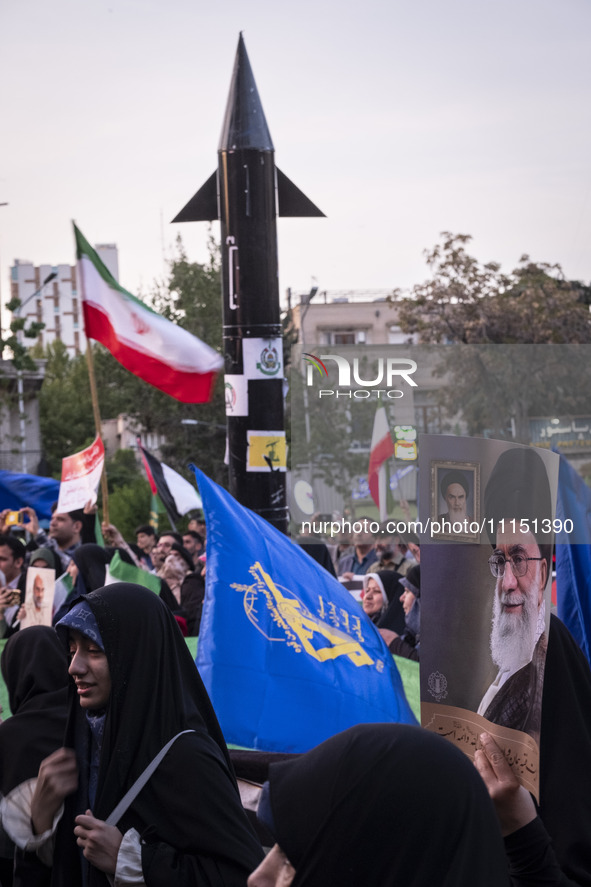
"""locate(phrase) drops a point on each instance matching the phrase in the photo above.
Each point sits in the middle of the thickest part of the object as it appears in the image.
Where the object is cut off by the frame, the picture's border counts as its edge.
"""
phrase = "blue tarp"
(19, 490)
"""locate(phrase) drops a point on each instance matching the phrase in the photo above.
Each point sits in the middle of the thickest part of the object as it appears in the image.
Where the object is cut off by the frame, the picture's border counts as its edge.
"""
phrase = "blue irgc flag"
(287, 656)
(573, 556)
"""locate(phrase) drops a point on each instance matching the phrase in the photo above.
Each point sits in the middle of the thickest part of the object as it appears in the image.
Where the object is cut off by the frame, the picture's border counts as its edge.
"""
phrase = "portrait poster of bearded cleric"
(485, 607)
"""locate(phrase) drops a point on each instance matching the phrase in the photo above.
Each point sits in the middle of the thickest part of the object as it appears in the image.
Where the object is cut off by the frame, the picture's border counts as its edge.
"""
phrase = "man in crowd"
(163, 548)
(363, 555)
(12, 559)
(518, 493)
(167, 539)
(197, 524)
(145, 537)
(391, 556)
(193, 543)
(64, 535)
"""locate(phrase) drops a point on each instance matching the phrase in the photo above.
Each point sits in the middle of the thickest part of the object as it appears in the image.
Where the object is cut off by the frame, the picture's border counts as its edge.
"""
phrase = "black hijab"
(565, 753)
(386, 805)
(91, 561)
(35, 670)
(156, 692)
(392, 615)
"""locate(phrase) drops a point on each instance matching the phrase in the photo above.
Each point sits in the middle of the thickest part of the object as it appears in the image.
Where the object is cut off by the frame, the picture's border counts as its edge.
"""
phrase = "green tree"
(331, 436)
(466, 303)
(122, 470)
(21, 357)
(22, 360)
(65, 410)
(129, 506)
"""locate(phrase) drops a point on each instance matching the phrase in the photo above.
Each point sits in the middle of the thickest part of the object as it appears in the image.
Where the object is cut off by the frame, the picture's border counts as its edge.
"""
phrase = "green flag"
(120, 571)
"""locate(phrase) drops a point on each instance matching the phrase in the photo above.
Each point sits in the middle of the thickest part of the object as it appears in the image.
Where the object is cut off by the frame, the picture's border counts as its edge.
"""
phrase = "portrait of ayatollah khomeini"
(518, 491)
(454, 491)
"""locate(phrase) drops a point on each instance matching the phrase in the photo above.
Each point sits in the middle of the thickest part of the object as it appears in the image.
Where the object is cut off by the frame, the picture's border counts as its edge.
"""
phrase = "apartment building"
(50, 294)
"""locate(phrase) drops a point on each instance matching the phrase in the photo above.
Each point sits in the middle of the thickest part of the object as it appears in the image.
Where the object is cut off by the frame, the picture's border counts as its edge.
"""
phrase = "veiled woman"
(385, 805)
(134, 688)
(381, 595)
(35, 671)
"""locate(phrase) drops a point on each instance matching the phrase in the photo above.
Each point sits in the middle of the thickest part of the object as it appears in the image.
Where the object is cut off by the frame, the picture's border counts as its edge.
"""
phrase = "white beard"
(513, 637)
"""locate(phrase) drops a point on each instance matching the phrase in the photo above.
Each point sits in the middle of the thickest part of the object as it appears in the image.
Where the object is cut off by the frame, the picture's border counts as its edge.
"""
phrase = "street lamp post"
(20, 387)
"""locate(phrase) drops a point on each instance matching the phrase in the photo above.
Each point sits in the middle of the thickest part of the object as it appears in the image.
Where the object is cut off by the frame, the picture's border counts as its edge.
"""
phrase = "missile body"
(245, 194)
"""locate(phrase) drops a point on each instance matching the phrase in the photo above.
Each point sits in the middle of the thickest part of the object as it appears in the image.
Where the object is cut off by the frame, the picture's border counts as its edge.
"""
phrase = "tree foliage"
(470, 303)
(65, 410)
(21, 357)
(331, 436)
(129, 506)
(495, 389)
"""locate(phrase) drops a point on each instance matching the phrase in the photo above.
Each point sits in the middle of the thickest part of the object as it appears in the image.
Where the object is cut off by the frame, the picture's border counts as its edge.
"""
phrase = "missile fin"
(203, 206)
(291, 201)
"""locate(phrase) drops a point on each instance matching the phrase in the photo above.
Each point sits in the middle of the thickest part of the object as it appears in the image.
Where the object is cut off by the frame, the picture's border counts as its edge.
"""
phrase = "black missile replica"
(247, 193)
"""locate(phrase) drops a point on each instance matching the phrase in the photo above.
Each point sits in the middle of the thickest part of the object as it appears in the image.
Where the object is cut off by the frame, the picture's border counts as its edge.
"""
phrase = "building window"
(344, 337)
(397, 337)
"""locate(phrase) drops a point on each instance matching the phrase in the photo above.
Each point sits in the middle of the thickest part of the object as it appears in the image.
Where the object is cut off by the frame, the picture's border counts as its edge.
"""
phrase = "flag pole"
(92, 380)
(97, 423)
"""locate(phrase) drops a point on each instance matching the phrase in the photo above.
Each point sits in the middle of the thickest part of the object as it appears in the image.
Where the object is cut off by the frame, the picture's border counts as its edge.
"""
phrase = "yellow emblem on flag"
(304, 631)
(266, 451)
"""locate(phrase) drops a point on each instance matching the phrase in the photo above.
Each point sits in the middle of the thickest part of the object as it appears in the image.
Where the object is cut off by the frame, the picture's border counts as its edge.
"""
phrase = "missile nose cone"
(245, 125)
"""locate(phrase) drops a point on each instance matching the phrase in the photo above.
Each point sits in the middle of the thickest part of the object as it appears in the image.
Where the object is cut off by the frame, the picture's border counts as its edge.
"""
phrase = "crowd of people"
(114, 770)
(69, 546)
(387, 571)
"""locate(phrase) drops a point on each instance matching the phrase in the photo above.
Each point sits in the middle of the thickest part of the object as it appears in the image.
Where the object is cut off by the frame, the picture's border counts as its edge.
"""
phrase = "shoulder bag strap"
(130, 796)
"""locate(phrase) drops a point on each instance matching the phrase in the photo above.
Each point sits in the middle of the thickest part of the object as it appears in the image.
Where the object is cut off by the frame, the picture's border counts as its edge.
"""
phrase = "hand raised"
(33, 525)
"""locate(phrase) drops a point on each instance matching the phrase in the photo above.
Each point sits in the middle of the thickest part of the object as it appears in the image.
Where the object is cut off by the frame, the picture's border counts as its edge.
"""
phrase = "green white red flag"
(145, 343)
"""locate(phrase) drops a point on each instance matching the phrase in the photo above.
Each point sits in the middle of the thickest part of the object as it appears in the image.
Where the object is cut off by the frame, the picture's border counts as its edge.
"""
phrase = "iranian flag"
(145, 343)
(382, 449)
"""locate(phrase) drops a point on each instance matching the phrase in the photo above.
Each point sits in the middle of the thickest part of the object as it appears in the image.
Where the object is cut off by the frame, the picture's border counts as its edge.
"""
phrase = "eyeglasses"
(518, 564)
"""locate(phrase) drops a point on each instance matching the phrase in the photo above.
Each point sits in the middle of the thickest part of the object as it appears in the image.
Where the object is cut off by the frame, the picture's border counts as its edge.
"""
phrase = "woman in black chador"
(35, 671)
(135, 687)
(382, 805)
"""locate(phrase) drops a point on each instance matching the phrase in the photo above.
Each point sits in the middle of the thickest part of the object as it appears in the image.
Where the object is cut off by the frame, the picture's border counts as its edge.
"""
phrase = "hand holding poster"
(81, 475)
(486, 606)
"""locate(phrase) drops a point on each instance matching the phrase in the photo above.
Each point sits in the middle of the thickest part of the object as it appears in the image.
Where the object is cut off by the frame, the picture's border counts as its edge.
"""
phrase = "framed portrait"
(40, 590)
(455, 500)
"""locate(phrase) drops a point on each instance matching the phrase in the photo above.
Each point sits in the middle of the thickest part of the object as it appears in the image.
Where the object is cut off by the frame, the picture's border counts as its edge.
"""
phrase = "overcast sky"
(399, 120)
